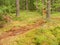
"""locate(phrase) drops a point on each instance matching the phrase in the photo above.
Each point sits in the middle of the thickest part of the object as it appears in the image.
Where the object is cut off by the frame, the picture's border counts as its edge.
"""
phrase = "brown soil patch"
(15, 31)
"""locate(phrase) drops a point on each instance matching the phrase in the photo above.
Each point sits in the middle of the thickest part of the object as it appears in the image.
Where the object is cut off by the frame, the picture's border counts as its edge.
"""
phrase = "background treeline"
(10, 7)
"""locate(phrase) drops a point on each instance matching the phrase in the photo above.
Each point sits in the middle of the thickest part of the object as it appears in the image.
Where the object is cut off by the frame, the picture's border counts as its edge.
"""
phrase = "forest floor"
(24, 29)
(20, 30)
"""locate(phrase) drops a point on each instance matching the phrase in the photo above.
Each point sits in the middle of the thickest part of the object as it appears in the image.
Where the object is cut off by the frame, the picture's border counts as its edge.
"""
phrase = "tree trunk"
(26, 4)
(17, 8)
(48, 9)
(37, 5)
(43, 9)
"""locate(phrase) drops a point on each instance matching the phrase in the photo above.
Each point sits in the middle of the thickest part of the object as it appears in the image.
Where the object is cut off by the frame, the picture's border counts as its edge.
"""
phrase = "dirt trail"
(15, 31)
(21, 30)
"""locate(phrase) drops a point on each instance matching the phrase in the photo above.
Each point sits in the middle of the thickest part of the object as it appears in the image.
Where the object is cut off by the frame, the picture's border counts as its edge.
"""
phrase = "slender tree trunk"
(52, 3)
(43, 9)
(23, 3)
(37, 5)
(48, 9)
(17, 8)
(26, 4)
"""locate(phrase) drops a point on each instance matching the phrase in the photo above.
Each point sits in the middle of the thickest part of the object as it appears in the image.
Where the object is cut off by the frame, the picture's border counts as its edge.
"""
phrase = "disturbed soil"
(22, 29)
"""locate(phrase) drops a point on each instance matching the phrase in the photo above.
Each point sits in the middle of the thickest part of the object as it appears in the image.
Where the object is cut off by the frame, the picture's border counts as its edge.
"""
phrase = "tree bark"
(37, 5)
(48, 9)
(26, 4)
(43, 8)
(17, 8)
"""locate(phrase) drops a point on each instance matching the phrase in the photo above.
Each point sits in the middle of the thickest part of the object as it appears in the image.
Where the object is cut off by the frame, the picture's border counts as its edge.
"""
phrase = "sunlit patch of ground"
(47, 34)
(24, 19)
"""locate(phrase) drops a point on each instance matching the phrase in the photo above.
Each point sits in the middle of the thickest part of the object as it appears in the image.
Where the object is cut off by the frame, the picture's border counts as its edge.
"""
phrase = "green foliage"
(39, 4)
(1, 18)
(55, 5)
(2, 21)
(45, 37)
(31, 5)
(10, 7)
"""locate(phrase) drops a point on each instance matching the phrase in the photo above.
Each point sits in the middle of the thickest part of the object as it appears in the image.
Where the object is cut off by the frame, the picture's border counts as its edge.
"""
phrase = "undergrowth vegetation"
(47, 34)
(39, 36)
